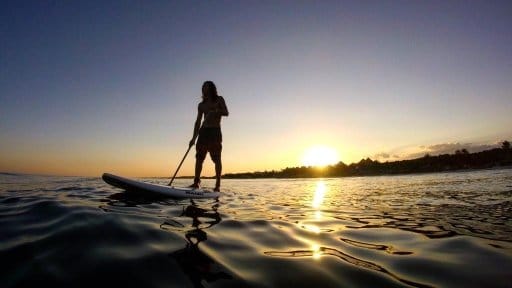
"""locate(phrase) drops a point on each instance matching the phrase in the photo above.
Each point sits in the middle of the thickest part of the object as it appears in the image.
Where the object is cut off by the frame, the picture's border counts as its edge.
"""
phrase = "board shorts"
(210, 140)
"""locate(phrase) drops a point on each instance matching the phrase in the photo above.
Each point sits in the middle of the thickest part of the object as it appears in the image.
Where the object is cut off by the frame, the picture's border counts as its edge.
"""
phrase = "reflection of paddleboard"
(131, 185)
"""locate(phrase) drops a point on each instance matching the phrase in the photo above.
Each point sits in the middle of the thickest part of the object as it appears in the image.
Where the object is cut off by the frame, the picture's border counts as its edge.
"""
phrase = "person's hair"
(209, 85)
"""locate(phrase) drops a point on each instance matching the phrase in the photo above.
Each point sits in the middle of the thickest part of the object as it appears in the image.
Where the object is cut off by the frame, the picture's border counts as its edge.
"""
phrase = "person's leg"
(200, 156)
(199, 168)
(218, 173)
(215, 154)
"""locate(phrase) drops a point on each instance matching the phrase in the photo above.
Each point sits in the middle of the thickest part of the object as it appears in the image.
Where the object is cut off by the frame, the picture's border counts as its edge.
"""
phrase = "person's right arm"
(197, 125)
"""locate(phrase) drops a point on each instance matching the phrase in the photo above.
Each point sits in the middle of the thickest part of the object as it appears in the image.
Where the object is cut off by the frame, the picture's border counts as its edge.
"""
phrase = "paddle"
(179, 166)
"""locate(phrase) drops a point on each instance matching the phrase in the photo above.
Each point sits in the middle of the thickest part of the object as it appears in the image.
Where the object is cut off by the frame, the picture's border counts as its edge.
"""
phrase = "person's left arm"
(222, 109)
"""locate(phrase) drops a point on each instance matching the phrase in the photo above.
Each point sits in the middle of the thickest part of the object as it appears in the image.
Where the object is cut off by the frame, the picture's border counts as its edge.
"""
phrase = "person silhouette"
(208, 133)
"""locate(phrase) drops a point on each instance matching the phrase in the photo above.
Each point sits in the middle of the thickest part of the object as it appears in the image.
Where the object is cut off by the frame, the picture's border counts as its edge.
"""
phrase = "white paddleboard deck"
(131, 185)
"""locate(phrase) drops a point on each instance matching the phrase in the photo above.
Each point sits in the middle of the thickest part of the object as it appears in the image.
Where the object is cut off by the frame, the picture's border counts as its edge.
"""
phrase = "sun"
(320, 156)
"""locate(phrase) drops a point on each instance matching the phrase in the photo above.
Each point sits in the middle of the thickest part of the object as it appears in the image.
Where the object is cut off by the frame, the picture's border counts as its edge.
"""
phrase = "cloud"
(412, 152)
(448, 148)
(381, 156)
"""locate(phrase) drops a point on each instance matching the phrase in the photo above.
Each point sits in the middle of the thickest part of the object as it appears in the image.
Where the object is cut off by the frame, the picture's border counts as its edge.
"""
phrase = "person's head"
(209, 91)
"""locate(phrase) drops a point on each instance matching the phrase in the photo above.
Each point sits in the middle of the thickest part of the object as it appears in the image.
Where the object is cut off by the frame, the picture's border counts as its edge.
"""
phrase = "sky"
(88, 87)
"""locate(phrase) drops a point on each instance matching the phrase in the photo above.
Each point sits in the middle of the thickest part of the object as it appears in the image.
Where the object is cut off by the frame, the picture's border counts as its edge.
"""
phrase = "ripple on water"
(448, 230)
(80, 245)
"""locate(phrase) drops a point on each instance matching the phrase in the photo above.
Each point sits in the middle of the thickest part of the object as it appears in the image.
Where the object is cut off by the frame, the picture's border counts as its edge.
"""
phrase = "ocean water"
(429, 230)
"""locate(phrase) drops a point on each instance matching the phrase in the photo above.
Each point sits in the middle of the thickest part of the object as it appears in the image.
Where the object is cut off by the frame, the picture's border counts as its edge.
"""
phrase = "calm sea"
(429, 230)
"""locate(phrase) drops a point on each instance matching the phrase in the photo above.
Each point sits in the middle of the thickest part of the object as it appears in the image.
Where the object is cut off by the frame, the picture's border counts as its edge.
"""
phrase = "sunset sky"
(88, 87)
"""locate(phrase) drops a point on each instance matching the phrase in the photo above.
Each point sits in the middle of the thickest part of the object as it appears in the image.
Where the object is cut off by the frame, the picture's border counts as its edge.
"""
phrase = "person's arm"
(197, 125)
(222, 108)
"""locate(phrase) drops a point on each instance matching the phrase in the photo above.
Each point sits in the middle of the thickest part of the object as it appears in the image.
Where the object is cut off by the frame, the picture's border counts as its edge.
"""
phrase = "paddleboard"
(131, 185)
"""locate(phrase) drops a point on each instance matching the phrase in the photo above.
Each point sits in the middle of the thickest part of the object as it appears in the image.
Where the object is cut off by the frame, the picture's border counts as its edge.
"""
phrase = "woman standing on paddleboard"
(207, 127)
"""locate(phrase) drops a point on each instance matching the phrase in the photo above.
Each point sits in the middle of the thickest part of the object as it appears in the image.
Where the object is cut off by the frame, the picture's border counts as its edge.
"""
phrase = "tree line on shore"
(460, 160)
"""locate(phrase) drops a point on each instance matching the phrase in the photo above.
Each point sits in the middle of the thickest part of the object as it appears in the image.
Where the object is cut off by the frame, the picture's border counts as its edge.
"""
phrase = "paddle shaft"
(179, 166)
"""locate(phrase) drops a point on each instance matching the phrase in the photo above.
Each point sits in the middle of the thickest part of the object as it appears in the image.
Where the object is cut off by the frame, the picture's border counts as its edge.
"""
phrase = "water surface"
(429, 230)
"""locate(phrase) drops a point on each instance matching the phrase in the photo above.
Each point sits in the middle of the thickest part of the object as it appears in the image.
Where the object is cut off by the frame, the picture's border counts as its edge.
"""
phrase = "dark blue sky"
(89, 86)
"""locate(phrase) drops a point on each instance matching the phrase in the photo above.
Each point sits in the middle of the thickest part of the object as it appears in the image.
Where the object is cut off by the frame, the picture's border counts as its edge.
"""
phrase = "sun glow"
(320, 156)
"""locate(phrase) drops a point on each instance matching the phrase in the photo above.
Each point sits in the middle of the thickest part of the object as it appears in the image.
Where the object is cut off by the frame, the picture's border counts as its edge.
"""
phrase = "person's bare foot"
(194, 186)
(216, 189)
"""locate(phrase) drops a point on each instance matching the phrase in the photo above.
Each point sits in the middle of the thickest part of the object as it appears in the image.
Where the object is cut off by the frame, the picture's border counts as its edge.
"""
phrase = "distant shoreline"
(461, 160)
(316, 177)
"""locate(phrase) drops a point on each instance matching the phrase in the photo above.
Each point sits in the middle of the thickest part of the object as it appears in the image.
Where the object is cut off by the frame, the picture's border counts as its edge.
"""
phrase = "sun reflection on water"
(318, 197)
(312, 228)
(315, 249)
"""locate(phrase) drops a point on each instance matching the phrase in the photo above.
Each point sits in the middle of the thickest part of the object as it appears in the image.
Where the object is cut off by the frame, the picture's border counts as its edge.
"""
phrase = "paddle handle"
(179, 166)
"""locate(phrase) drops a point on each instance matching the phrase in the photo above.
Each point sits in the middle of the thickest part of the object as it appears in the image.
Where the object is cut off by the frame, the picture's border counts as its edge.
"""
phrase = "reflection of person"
(212, 108)
(198, 266)
(195, 212)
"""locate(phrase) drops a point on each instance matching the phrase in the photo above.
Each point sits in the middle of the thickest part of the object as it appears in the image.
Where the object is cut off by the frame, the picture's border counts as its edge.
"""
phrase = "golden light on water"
(320, 156)
(315, 248)
(318, 214)
(318, 197)
(312, 228)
